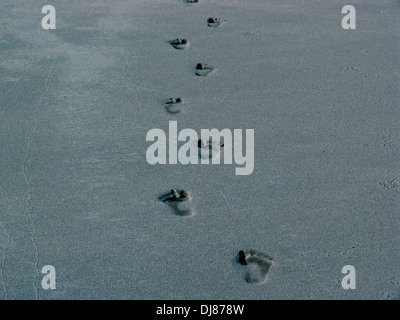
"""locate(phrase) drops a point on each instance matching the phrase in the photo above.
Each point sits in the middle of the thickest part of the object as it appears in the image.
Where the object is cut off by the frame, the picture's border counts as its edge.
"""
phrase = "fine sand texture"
(76, 190)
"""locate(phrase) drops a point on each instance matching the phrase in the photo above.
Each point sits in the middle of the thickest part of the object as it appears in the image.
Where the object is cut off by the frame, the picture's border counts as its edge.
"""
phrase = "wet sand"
(77, 193)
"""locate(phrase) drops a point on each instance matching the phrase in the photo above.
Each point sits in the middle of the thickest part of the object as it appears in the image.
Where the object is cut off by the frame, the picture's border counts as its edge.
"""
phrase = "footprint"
(209, 149)
(203, 69)
(179, 201)
(179, 44)
(172, 105)
(215, 22)
(191, 1)
(257, 265)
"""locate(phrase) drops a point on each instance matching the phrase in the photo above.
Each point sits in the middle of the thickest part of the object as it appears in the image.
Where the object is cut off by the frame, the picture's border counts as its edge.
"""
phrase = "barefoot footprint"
(203, 69)
(179, 201)
(215, 22)
(172, 105)
(209, 149)
(179, 44)
(257, 265)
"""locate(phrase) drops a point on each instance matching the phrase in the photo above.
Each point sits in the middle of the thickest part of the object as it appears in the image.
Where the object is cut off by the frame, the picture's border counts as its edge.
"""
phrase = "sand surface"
(77, 193)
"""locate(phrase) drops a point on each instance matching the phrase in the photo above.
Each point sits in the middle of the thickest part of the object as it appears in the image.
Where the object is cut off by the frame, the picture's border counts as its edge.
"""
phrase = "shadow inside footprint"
(209, 149)
(203, 69)
(179, 44)
(257, 265)
(215, 22)
(191, 1)
(172, 105)
(180, 201)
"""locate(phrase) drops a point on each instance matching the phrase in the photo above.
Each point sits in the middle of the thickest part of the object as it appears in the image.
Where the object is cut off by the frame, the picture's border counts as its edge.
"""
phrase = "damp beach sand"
(77, 193)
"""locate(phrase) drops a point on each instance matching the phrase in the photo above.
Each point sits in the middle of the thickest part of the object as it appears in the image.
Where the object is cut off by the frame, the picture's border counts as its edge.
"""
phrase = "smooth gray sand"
(77, 193)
